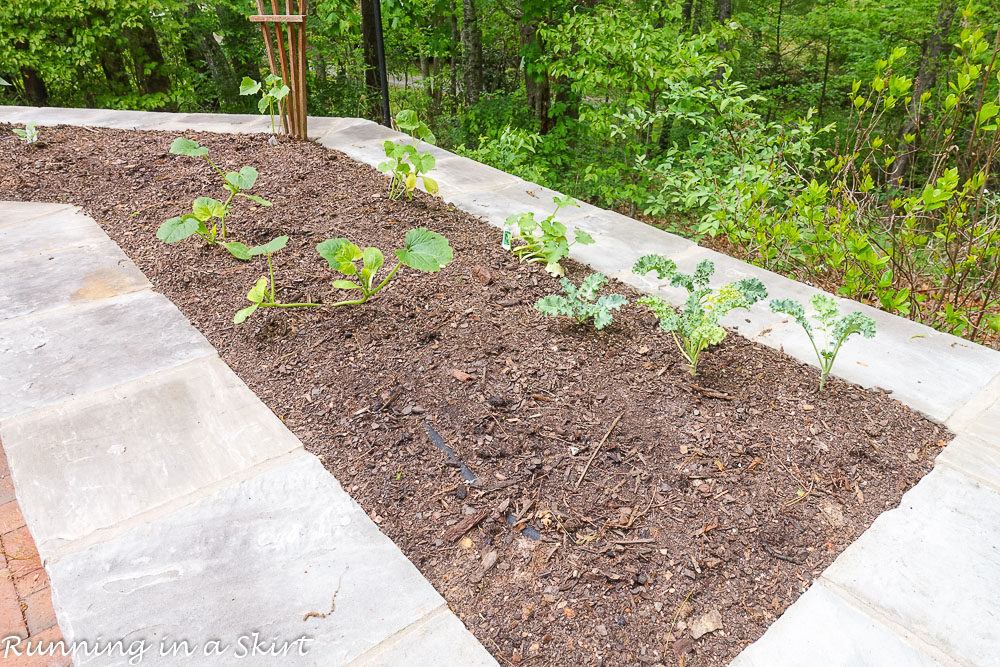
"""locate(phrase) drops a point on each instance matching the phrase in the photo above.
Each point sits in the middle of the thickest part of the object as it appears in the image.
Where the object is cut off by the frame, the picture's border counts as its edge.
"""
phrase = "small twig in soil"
(679, 610)
(772, 552)
(597, 449)
(540, 397)
(639, 541)
(802, 497)
(392, 397)
(711, 393)
(333, 602)
(464, 526)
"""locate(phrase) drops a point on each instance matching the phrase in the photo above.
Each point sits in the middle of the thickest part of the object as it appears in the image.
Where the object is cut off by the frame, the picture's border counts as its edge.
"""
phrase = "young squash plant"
(29, 134)
(422, 250)
(405, 162)
(581, 303)
(263, 294)
(271, 99)
(545, 240)
(207, 218)
(696, 327)
(834, 329)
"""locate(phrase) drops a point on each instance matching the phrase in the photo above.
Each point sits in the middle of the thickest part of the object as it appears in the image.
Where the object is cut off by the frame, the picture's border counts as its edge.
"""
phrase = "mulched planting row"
(462, 420)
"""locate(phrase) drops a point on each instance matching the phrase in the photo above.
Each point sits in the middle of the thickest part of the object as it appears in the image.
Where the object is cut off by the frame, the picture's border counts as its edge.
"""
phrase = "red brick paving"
(25, 598)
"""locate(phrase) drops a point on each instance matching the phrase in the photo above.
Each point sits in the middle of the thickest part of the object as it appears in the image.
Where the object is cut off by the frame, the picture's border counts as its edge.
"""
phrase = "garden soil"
(575, 495)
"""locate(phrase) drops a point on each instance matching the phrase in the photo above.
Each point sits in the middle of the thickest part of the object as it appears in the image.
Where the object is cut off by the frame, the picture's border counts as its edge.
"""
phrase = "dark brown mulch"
(729, 494)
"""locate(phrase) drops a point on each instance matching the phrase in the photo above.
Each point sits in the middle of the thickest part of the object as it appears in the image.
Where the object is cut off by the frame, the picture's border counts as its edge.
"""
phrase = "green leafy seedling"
(29, 134)
(205, 211)
(581, 303)
(834, 329)
(545, 240)
(274, 93)
(422, 250)
(405, 162)
(263, 293)
(696, 327)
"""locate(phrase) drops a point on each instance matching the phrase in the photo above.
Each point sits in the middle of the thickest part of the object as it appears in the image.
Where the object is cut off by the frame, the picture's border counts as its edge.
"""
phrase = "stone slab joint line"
(79, 306)
(400, 636)
(891, 624)
(108, 533)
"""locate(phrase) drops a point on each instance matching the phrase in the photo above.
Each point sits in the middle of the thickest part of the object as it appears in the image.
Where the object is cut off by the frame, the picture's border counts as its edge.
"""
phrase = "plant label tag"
(506, 239)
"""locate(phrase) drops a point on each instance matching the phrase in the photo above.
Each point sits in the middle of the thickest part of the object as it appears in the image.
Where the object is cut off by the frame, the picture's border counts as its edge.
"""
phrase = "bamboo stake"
(303, 8)
(269, 47)
(293, 67)
(284, 71)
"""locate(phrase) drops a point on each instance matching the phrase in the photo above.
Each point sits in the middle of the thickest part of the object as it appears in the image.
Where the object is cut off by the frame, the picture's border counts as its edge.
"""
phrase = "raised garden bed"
(713, 501)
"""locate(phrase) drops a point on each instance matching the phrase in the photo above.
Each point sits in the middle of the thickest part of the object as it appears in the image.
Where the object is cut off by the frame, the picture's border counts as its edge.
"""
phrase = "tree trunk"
(724, 10)
(455, 38)
(926, 76)
(687, 11)
(146, 51)
(472, 46)
(826, 76)
(241, 31)
(370, 59)
(425, 75)
(536, 82)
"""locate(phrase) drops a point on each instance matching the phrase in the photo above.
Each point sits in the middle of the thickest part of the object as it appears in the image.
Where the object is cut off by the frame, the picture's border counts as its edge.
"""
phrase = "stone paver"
(85, 273)
(827, 631)
(72, 352)
(430, 642)
(25, 597)
(937, 546)
(138, 446)
(167, 500)
(265, 553)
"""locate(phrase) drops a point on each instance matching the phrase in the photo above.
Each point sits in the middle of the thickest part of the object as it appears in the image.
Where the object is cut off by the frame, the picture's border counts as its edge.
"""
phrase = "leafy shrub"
(901, 214)
(835, 330)
(263, 293)
(271, 99)
(696, 327)
(545, 240)
(423, 250)
(206, 210)
(29, 134)
(405, 162)
(582, 303)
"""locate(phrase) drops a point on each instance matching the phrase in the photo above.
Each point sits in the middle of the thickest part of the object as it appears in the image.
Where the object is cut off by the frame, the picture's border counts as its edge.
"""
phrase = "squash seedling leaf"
(425, 250)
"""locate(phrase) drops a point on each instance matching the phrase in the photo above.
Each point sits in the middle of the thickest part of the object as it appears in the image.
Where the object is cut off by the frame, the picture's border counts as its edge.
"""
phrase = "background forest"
(849, 143)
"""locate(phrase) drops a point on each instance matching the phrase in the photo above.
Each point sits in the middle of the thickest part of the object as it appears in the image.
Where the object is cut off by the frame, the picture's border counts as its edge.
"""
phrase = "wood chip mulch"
(462, 420)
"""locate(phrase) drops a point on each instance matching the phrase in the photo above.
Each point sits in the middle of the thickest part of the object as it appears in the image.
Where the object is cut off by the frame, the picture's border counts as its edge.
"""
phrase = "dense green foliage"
(852, 143)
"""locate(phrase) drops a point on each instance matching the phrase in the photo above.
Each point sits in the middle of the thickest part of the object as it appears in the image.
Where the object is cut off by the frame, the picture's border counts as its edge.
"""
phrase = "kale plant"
(696, 327)
(581, 303)
(835, 329)
(422, 250)
(263, 293)
(271, 99)
(405, 161)
(29, 134)
(205, 211)
(545, 240)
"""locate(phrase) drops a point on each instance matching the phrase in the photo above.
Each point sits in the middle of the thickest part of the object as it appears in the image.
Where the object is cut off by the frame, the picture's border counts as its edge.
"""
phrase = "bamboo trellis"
(291, 45)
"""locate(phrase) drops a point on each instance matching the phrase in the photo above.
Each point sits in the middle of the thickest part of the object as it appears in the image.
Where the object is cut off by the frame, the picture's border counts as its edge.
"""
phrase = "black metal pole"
(380, 48)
